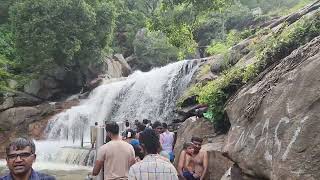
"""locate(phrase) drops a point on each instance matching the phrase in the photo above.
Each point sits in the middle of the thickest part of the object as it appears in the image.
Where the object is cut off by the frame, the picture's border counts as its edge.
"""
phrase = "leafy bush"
(4, 74)
(215, 93)
(7, 48)
(281, 44)
(233, 37)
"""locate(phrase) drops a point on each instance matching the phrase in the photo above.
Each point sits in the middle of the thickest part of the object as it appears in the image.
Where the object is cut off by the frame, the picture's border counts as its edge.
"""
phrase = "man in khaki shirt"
(116, 156)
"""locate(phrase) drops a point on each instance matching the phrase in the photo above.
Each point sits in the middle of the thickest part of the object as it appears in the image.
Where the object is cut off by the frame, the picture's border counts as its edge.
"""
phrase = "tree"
(152, 49)
(69, 33)
(179, 19)
(4, 10)
(132, 16)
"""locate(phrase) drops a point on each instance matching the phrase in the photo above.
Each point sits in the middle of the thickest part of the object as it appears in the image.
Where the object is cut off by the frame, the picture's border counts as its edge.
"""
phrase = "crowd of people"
(144, 152)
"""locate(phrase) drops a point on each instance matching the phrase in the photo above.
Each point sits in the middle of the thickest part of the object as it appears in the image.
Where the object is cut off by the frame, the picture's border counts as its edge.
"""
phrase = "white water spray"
(151, 95)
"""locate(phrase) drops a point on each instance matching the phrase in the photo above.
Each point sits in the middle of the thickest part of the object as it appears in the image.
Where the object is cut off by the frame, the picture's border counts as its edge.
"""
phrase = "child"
(188, 166)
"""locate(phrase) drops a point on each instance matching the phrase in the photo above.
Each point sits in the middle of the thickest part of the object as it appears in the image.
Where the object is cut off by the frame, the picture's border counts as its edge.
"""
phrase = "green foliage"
(131, 17)
(218, 48)
(7, 48)
(4, 74)
(4, 10)
(198, 5)
(222, 46)
(153, 49)
(68, 33)
(269, 5)
(300, 4)
(179, 20)
(216, 93)
(281, 44)
(250, 72)
(179, 33)
(204, 70)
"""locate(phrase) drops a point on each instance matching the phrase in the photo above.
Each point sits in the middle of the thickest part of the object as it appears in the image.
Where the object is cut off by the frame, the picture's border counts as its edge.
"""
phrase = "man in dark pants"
(20, 157)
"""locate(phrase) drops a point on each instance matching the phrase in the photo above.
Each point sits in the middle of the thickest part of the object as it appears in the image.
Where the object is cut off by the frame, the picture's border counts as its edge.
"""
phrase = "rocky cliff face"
(27, 113)
(275, 128)
(275, 122)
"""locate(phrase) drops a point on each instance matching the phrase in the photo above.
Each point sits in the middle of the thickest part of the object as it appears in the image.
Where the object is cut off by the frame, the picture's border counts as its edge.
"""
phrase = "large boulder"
(218, 164)
(16, 98)
(275, 123)
(55, 84)
(22, 116)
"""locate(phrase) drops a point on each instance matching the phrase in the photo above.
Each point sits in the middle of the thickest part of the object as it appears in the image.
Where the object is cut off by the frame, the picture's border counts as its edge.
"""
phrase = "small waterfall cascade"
(143, 95)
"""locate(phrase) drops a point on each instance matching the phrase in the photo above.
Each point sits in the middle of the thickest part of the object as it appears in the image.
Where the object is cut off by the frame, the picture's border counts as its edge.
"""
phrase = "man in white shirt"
(167, 141)
(153, 166)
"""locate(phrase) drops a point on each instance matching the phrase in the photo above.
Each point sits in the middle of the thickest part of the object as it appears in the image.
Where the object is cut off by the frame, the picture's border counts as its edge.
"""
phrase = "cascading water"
(151, 95)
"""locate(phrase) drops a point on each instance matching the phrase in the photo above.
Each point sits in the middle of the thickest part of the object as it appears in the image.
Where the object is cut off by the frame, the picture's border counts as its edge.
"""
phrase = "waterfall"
(143, 95)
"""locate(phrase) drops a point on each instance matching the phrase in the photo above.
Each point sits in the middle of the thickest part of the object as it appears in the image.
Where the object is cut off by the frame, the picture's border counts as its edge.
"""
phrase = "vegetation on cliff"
(39, 35)
(276, 46)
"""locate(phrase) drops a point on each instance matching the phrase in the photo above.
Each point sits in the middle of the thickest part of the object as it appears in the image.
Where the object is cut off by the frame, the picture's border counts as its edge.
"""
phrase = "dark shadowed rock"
(59, 83)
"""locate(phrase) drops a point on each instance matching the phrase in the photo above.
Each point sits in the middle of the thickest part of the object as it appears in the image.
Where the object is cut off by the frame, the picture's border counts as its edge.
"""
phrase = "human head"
(197, 142)
(96, 123)
(149, 140)
(157, 126)
(20, 156)
(130, 133)
(188, 147)
(138, 151)
(127, 124)
(112, 129)
(165, 126)
(145, 121)
(140, 127)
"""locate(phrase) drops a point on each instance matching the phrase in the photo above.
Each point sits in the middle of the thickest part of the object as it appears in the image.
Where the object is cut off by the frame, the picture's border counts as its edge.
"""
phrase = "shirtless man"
(200, 158)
